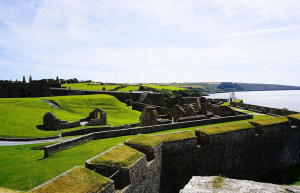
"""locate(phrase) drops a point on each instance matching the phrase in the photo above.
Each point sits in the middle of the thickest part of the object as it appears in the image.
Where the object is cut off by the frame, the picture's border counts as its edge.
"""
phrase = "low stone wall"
(28, 139)
(264, 110)
(96, 129)
(133, 131)
(51, 149)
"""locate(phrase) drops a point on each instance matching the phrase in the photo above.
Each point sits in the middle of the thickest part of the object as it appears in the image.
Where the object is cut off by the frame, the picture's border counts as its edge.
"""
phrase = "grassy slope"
(19, 117)
(128, 88)
(85, 86)
(15, 111)
(158, 87)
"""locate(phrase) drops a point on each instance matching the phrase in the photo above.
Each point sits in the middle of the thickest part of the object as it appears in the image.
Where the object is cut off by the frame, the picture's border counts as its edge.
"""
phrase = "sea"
(289, 99)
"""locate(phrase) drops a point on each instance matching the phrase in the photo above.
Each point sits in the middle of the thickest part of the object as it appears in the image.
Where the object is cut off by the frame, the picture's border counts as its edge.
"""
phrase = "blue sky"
(152, 41)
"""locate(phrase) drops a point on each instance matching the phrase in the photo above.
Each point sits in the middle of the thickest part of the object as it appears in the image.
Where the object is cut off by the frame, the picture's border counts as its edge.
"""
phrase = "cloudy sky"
(151, 41)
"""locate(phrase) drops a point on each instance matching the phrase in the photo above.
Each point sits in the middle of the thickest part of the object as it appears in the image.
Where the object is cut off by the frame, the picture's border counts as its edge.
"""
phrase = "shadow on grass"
(43, 128)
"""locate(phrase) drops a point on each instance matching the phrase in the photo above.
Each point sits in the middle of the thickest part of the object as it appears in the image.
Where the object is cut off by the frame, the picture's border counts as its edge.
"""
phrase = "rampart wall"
(48, 150)
(262, 109)
(241, 154)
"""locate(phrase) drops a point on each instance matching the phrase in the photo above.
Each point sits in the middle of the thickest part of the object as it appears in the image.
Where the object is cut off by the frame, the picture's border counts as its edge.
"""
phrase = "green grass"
(19, 117)
(175, 136)
(80, 180)
(120, 156)
(129, 88)
(23, 168)
(85, 86)
(271, 121)
(158, 87)
(144, 140)
(225, 128)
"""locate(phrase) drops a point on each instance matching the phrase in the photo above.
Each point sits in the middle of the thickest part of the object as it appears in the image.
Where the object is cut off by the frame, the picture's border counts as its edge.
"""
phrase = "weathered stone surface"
(177, 112)
(224, 111)
(150, 116)
(189, 110)
(199, 184)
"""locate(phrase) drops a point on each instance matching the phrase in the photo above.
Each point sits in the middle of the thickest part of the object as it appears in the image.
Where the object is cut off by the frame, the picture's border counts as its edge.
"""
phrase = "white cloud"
(152, 41)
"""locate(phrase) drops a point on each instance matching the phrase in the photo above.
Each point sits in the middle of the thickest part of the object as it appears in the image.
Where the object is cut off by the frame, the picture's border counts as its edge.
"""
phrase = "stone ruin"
(150, 116)
(184, 110)
(96, 117)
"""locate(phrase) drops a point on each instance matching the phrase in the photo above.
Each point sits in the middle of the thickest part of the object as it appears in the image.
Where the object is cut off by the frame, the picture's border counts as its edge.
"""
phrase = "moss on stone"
(121, 156)
(9, 190)
(144, 140)
(78, 180)
(174, 136)
(295, 116)
(238, 100)
(225, 128)
(271, 121)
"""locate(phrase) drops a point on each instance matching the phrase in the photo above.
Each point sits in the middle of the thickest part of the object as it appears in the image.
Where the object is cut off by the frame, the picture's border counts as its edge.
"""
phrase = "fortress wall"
(142, 176)
(242, 154)
(265, 110)
(48, 150)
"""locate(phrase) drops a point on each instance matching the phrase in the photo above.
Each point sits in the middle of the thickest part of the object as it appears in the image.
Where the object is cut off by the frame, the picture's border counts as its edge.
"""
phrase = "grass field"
(129, 88)
(19, 117)
(158, 87)
(85, 86)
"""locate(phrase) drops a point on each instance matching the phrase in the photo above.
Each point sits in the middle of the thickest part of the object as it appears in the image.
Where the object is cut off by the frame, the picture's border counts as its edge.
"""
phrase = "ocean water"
(289, 99)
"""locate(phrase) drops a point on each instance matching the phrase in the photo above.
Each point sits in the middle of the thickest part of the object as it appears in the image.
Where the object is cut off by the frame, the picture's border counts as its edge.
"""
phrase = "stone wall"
(20, 90)
(134, 131)
(96, 129)
(242, 154)
(51, 149)
(264, 110)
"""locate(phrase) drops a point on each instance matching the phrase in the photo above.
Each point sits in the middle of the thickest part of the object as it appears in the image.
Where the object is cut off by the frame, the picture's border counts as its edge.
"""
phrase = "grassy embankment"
(23, 168)
(128, 89)
(19, 117)
(85, 86)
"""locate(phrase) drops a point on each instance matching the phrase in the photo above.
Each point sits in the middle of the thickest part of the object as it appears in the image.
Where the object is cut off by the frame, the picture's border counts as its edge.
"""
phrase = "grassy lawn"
(158, 87)
(15, 111)
(85, 86)
(128, 89)
(23, 168)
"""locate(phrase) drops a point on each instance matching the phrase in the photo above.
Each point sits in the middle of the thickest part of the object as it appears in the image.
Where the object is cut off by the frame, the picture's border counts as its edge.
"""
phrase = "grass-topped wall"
(271, 125)
(270, 121)
(295, 119)
(176, 136)
(223, 134)
(121, 156)
(78, 179)
(144, 144)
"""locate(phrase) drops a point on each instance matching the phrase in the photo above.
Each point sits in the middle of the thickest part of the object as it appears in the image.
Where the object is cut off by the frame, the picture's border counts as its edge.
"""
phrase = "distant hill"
(231, 86)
